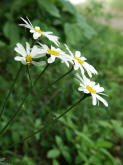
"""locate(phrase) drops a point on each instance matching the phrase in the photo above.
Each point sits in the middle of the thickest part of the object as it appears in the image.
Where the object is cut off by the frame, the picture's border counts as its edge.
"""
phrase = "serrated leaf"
(49, 7)
(53, 153)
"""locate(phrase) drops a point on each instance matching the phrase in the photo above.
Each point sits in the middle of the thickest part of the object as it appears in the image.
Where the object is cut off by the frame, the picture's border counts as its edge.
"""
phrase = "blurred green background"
(87, 135)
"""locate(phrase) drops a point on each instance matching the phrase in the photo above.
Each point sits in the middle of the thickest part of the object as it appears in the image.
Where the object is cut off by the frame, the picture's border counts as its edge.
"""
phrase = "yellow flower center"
(37, 30)
(28, 59)
(79, 60)
(55, 53)
(90, 89)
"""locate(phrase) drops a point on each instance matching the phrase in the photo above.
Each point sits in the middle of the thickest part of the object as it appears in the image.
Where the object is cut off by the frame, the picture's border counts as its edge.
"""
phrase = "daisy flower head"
(90, 87)
(80, 63)
(55, 53)
(37, 32)
(27, 55)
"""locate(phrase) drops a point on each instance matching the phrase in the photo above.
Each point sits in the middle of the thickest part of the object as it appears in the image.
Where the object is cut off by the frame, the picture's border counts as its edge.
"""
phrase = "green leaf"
(119, 131)
(73, 33)
(49, 7)
(103, 143)
(66, 156)
(88, 31)
(105, 124)
(2, 44)
(108, 155)
(86, 138)
(55, 162)
(53, 153)
(59, 142)
(11, 32)
(67, 6)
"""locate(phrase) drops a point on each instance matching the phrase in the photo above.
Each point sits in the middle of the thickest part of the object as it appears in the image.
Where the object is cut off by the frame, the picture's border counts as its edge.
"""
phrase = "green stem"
(57, 118)
(61, 77)
(29, 75)
(23, 101)
(10, 91)
(52, 122)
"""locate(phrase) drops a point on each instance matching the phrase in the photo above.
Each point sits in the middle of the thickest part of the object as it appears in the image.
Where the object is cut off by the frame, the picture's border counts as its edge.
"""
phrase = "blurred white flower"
(56, 53)
(79, 63)
(88, 86)
(37, 32)
(28, 54)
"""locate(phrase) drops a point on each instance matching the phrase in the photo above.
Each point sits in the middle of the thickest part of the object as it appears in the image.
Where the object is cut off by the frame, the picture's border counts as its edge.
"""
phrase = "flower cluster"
(29, 55)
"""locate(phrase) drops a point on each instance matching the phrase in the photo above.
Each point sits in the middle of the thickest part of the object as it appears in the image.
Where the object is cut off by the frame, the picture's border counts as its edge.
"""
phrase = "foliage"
(87, 135)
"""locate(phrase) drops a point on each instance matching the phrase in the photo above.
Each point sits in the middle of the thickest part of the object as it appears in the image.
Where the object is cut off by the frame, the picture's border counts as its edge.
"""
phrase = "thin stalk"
(53, 121)
(10, 91)
(23, 101)
(56, 119)
(61, 77)
(29, 76)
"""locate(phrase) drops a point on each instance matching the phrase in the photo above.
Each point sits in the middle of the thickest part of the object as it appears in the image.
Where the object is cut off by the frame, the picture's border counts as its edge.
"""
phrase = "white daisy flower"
(56, 53)
(37, 32)
(28, 54)
(80, 63)
(90, 87)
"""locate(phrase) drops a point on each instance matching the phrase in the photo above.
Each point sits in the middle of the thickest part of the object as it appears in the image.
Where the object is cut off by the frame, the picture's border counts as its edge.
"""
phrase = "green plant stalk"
(53, 121)
(23, 101)
(19, 108)
(56, 119)
(10, 91)
(29, 76)
(61, 77)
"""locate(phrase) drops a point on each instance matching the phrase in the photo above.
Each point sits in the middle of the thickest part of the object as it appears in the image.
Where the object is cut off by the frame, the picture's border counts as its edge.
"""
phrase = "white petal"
(36, 35)
(27, 24)
(98, 88)
(79, 77)
(69, 50)
(86, 91)
(38, 63)
(51, 59)
(102, 100)
(82, 70)
(20, 49)
(29, 21)
(36, 52)
(80, 89)
(103, 94)
(32, 31)
(94, 100)
(83, 58)
(27, 48)
(22, 59)
(37, 27)
(43, 46)
(77, 54)
(51, 37)
(76, 66)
